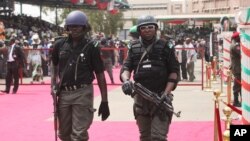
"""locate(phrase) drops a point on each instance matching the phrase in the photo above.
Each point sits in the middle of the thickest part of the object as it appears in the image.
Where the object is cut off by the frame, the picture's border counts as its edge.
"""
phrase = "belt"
(12, 62)
(73, 87)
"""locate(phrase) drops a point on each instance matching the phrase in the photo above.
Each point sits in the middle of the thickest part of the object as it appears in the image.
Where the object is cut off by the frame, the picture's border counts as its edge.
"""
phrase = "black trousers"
(237, 87)
(184, 69)
(12, 72)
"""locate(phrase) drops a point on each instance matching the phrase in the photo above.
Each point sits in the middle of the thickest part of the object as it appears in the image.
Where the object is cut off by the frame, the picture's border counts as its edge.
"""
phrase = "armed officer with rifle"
(75, 60)
(155, 72)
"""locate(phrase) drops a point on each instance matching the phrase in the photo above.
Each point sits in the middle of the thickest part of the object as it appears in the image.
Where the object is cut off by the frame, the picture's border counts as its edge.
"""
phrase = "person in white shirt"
(181, 54)
(191, 58)
(35, 55)
(15, 61)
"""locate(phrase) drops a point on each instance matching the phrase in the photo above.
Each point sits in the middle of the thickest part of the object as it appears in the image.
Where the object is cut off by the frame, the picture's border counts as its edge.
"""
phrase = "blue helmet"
(76, 18)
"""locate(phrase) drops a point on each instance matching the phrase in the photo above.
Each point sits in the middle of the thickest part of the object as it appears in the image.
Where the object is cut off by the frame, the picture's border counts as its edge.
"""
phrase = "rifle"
(57, 86)
(153, 97)
(54, 96)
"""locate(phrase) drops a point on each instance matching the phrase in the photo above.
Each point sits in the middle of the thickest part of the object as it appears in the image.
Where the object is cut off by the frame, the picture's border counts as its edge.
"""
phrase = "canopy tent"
(177, 19)
(113, 6)
(89, 4)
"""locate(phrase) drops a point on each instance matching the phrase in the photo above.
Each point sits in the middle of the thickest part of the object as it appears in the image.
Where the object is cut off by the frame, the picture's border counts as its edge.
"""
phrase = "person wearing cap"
(15, 61)
(154, 65)
(76, 61)
(35, 55)
(235, 67)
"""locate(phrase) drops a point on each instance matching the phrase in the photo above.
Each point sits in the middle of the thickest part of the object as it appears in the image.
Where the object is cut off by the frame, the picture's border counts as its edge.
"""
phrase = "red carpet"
(27, 116)
(127, 131)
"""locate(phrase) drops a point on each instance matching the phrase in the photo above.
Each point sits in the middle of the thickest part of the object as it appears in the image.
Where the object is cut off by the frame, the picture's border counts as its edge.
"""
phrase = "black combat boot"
(236, 100)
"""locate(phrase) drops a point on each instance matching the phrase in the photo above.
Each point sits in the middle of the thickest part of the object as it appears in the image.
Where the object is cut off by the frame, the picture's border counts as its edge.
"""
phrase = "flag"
(111, 8)
(102, 6)
(111, 5)
(74, 1)
(114, 11)
(89, 1)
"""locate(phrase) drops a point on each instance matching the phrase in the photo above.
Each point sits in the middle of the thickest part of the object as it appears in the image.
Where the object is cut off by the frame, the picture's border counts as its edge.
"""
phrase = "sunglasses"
(147, 27)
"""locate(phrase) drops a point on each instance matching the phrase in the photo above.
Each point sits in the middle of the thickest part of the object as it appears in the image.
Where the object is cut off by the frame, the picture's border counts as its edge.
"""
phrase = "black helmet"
(144, 20)
(76, 18)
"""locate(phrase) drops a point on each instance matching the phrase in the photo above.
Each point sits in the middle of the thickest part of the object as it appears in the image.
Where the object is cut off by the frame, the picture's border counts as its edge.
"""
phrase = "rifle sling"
(67, 66)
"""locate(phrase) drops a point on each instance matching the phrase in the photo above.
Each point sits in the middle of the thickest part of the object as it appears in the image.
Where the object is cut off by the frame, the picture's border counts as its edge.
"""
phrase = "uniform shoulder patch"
(96, 43)
(129, 45)
(165, 43)
(134, 43)
(170, 44)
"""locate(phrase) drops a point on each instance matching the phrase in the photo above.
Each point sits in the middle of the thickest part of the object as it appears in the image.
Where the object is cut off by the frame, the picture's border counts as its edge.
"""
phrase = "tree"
(100, 20)
(62, 13)
(134, 21)
(104, 21)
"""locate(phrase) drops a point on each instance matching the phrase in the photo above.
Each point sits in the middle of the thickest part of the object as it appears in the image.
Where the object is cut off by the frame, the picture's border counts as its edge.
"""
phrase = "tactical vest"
(152, 71)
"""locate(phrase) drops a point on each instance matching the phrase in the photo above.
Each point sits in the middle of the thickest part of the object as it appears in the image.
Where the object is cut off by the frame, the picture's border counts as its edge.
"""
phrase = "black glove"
(167, 97)
(104, 110)
(55, 90)
(127, 87)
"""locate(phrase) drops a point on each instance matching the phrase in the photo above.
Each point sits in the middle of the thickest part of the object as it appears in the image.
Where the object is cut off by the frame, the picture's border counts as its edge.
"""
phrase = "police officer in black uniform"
(75, 60)
(155, 66)
(235, 67)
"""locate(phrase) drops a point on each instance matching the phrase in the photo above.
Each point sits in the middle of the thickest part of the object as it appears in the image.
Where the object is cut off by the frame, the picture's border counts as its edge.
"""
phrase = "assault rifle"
(153, 97)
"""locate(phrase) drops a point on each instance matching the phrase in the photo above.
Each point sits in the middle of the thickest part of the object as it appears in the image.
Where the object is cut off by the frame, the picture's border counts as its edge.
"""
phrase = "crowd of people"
(34, 36)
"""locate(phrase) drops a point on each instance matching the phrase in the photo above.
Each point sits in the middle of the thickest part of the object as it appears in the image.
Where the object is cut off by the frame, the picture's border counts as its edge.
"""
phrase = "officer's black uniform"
(155, 66)
(86, 62)
(76, 87)
(77, 61)
(162, 59)
(235, 56)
